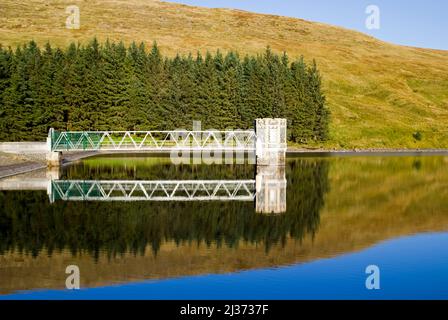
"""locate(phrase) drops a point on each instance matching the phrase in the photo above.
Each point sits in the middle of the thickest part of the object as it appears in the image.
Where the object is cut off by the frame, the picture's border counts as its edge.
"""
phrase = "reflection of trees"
(28, 223)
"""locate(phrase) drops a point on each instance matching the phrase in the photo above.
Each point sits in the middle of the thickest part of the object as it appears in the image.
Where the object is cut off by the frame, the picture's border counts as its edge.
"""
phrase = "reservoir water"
(339, 215)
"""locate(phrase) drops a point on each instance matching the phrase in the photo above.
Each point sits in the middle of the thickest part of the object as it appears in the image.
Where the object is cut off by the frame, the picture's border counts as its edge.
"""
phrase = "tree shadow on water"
(30, 224)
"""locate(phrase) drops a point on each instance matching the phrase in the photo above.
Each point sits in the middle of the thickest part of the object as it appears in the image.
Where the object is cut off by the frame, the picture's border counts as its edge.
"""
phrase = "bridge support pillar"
(271, 142)
(270, 184)
(54, 159)
(53, 173)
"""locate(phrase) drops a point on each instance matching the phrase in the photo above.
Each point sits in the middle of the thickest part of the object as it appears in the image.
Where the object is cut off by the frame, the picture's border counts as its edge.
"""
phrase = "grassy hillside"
(380, 95)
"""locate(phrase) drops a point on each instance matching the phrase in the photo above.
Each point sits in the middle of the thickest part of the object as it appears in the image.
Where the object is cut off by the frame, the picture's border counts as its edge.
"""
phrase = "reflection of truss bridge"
(140, 190)
(153, 140)
(268, 190)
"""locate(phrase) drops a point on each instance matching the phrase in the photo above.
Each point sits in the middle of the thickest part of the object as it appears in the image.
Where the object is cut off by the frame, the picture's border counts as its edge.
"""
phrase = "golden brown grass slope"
(379, 94)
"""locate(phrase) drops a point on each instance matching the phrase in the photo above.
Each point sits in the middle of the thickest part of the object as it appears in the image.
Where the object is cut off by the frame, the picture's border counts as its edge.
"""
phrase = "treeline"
(113, 87)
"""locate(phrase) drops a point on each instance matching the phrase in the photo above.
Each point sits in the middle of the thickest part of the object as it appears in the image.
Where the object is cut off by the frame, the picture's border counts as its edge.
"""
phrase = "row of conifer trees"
(108, 86)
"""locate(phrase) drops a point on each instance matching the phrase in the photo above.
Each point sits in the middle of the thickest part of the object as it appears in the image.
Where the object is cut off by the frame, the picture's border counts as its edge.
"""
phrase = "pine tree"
(115, 73)
(73, 72)
(6, 70)
(157, 87)
(93, 116)
(207, 92)
(139, 98)
(20, 97)
(50, 99)
(320, 124)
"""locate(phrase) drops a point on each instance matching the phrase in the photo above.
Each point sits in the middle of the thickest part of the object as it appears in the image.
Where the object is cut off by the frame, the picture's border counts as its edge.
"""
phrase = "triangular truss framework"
(164, 190)
(154, 140)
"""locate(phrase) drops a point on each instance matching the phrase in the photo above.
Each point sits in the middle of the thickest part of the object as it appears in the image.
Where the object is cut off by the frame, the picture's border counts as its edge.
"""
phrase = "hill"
(380, 95)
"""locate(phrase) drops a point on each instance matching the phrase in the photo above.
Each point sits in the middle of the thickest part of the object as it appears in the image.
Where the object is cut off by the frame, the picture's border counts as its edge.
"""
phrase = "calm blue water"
(414, 267)
(334, 217)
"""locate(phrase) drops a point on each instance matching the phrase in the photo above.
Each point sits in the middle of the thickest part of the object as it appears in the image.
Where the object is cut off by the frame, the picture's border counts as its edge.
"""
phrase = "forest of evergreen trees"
(112, 87)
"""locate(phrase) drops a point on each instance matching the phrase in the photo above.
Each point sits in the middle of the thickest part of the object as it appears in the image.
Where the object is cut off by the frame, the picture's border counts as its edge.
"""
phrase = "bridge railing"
(153, 140)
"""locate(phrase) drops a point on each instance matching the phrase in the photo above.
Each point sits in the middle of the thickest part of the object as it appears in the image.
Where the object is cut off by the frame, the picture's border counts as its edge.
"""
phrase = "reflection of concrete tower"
(37, 182)
(53, 173)
(271, 153)
(270, 189)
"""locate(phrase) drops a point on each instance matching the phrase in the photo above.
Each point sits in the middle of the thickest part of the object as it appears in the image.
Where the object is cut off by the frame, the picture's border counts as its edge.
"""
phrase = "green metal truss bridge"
(243, 140)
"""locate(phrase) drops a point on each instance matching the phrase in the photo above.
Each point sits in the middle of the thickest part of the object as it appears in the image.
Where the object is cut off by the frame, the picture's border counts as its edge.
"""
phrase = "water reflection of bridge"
(268, 189)
(141, 190)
